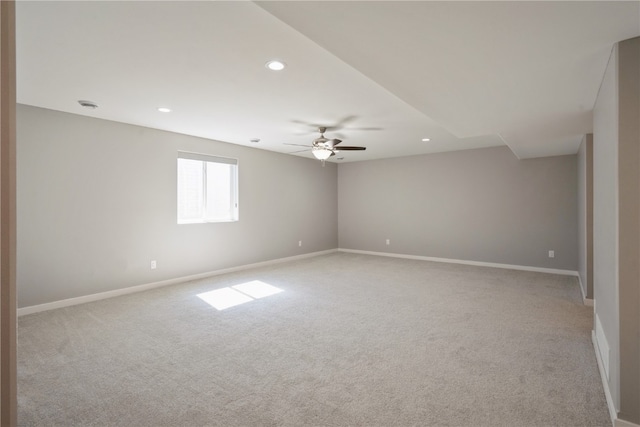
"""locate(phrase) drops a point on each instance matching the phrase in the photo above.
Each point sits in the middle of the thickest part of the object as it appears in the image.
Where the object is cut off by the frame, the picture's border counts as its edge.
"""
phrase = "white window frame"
(205, 158)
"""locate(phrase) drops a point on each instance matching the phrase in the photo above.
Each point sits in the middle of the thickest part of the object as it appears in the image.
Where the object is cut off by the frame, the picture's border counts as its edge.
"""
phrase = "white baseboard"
(586, 301)
(139, 288)
(602, 345)
(461, 261)
(613, 413)
(622, 423)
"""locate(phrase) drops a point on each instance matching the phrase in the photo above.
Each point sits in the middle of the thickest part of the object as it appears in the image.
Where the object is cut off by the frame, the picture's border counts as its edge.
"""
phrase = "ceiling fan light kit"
(321, 153)
(322, 148)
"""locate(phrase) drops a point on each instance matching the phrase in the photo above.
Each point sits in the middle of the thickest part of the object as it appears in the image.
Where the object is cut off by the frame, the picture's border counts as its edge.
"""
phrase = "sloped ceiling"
(380, 74)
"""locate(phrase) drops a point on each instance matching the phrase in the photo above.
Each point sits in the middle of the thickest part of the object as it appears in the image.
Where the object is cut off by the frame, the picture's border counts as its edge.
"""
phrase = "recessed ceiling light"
(275, 65)
(426, 139)
(88, 104)
(164, 109)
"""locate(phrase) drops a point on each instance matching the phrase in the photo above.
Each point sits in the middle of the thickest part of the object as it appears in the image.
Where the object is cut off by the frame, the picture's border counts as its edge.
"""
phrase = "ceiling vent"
(88, 104)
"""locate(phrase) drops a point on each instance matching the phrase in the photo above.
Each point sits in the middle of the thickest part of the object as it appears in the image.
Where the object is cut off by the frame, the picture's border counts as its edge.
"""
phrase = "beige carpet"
(351, 340)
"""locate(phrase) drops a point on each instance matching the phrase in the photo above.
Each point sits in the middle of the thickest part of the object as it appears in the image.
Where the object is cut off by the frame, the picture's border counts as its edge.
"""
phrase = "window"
(207, 188)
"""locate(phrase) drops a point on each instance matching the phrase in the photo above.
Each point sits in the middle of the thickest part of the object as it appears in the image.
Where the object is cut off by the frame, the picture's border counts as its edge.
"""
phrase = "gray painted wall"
(616, 218)
(585, 215)
(605, 218)
(97, 202)
(629, 227)
(479, 205)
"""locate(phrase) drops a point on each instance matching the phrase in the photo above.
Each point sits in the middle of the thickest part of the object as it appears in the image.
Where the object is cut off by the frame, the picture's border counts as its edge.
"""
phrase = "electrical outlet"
(552, 254)
(388, 241)
(154, 264)
(299, 243)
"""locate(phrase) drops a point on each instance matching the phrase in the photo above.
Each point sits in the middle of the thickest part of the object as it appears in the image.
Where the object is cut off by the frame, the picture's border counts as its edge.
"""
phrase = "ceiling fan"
(322, 148)
(343, 123)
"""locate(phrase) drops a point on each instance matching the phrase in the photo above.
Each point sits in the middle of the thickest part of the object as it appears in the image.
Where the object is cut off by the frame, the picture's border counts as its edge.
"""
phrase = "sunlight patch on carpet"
(257, 289)
(238, 294)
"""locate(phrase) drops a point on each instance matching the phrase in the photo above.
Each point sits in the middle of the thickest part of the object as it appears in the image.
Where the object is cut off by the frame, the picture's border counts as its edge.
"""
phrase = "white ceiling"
(381, 74)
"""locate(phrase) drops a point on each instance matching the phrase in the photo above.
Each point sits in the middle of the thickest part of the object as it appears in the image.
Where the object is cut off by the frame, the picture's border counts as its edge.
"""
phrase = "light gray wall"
(629, 226)
(616, 218)
(605, 217)
(585, 215)
(479, 205)
(97, 202)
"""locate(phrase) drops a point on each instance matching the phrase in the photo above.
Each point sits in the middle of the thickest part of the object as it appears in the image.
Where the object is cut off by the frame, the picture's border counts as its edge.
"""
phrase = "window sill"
(201, 221)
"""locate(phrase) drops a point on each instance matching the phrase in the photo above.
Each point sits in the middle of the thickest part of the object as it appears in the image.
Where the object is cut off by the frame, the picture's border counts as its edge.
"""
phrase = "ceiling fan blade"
(335, 142)
(350, 148)
(297, 145)
(333, 153)
(313, 127)
(342, 123)
(367, 128)
(299, 151)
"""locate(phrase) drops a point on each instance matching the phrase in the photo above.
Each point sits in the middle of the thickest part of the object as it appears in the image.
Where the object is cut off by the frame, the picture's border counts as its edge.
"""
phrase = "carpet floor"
(351, 339)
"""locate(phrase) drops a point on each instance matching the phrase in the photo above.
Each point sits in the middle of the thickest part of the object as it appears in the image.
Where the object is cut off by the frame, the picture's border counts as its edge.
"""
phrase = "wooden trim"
(8, 361)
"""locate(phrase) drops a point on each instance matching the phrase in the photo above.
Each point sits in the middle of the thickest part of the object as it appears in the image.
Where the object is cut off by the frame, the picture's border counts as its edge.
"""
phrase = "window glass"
(207, 189)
